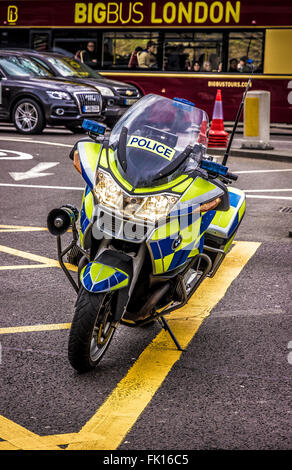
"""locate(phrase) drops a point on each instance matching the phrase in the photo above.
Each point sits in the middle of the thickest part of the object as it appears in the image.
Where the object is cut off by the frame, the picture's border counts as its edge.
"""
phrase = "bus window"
(73, 41)
(118, 47)
(40, 40)
(246, 44)
(14, 38)
(183, 50)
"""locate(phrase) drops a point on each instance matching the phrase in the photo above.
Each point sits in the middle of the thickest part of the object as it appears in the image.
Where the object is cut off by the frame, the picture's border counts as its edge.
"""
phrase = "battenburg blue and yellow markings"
(97, 277)
(152, 146)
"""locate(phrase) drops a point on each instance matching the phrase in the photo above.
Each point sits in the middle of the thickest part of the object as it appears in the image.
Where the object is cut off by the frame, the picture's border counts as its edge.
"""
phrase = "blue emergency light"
(182, 100)
(94, 127)
(214, 167)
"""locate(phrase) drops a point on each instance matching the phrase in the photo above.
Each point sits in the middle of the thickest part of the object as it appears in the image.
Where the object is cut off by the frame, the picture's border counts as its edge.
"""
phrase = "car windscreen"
(18, 66)
(68, 67)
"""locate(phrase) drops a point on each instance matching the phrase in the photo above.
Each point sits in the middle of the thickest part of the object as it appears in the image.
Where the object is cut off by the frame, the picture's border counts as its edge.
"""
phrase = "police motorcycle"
(158, 215)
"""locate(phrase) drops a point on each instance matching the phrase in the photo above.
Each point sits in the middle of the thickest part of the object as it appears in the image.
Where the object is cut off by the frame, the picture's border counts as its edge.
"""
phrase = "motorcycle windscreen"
(155, 135)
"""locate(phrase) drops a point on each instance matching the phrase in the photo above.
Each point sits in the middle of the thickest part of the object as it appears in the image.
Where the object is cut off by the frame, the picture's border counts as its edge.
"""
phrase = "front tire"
(91, 330)
(28, 117)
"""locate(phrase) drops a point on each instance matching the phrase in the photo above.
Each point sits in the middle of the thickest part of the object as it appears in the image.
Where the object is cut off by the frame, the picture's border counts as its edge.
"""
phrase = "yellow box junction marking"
(110, 424)
(42, 260)
(21, 228)
(27, 329)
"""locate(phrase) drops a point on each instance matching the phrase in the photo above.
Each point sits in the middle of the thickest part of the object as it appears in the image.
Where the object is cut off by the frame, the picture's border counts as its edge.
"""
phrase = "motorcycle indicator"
(152, 146)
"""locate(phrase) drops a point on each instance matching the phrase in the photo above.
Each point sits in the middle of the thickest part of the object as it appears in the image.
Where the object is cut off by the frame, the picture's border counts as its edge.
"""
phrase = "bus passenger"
(207, 66)
(133, 62)
(173, 62)
(196, 66)
(77, 54)
(88, 56)
(146, 58)
(243, 65)
(220, 67)
(183, 58)
(233, 64)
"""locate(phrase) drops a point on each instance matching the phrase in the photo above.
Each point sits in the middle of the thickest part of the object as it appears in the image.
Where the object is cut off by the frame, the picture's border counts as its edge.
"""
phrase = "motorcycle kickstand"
(166, 327)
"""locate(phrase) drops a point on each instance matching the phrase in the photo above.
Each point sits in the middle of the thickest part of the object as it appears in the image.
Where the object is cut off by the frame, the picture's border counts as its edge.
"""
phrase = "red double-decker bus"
(197, 44)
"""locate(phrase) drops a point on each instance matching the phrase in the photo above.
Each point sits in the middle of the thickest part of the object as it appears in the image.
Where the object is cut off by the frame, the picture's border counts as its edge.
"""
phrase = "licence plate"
(130, 101)
(90, 109)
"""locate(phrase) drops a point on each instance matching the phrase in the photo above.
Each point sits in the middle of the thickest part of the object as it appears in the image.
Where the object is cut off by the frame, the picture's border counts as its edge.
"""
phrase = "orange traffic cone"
(218, 137)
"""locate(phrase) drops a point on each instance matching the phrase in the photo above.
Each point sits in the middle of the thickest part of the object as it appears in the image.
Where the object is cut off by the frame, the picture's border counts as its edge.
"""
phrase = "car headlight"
(149, 208)
(59, 95)
(105, 91)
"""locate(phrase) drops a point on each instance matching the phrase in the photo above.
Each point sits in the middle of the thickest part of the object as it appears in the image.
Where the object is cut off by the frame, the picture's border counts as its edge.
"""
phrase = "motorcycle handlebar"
(217, 169)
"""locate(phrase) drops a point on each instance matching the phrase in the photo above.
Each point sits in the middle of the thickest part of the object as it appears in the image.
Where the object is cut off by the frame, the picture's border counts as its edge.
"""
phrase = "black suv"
(117, 96)
(32, 97)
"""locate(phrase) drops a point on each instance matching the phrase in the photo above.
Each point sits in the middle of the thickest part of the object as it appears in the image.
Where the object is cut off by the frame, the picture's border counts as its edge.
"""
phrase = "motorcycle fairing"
(201, 191)
(108, 162)
(89, 154)
(86, 213)
(172, 243)
(98, 277)
(225, 224)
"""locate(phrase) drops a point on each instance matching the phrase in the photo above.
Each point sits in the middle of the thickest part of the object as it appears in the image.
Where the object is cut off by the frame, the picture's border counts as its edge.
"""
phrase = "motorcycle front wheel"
(91, 330)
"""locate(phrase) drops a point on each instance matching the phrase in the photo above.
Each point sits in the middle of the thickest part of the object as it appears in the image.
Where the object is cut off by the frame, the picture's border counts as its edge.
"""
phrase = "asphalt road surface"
(229, 389)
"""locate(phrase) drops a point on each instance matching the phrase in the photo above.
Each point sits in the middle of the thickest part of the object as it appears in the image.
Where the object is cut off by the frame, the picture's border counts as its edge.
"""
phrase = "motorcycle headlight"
(153, 208)
(108, 191)
(149, 208)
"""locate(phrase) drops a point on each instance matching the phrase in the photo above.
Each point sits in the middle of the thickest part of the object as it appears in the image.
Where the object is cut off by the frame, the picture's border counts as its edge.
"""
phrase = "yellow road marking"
(26, 329)
(20, 437)
(114, 419)
(24, 266)
(63, 439)
(47, 442)
(21, 228)
(46, 262)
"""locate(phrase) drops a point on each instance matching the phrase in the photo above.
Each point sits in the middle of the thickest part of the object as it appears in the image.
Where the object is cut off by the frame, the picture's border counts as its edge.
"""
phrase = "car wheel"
(28, 117)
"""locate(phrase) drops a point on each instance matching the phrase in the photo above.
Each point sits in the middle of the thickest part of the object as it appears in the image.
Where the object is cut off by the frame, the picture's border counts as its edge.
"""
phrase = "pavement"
(280, 144)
